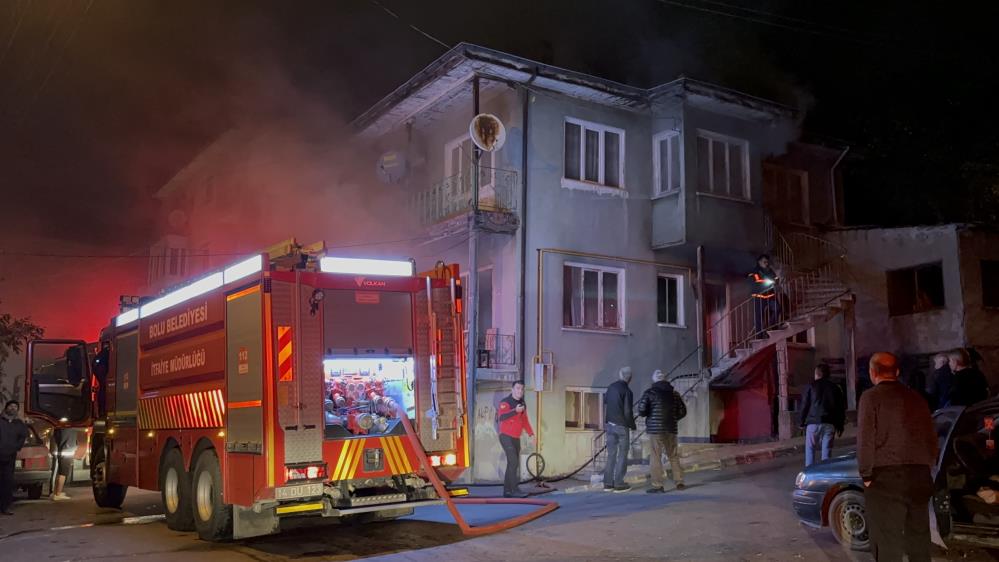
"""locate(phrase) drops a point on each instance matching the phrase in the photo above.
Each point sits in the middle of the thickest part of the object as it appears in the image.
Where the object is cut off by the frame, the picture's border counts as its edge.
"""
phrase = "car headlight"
(799, 480)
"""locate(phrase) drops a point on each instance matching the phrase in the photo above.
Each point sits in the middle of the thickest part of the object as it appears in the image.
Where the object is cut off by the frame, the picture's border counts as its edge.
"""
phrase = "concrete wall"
(980, 323)
(873, 252)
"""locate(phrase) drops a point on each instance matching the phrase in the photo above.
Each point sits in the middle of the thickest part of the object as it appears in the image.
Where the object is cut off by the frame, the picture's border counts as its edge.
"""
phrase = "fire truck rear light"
(450, 459)
(126, 317)
(366, 267)
(305, 472)
(242, 269)
(435, 460)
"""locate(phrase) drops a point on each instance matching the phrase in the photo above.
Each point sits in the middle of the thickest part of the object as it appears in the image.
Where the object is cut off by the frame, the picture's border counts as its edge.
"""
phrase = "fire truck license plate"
(301, 491)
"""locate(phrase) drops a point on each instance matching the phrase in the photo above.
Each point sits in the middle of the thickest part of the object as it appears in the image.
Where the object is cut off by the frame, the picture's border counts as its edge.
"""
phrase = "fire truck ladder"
(446, 394)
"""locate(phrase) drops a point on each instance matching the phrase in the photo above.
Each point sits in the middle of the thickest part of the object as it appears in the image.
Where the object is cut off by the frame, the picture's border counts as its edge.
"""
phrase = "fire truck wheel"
(106, 494)
(212, 517)
(175, 488)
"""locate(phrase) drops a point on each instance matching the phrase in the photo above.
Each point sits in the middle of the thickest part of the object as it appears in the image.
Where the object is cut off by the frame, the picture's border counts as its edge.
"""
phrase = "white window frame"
(600, 269)
(583, 391)
(600, 185)
(671, 137)
(457, 142)
(681, 318)
(710, 136)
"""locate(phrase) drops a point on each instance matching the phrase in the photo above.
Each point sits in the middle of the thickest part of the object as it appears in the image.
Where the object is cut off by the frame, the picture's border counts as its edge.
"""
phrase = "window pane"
(929, 287)
(737, 183)
(592, 156)
(662, 300)
(572, 418)
(990, 283)
(674, 163)
(591, 418)
(664, 169)
(703, 165)
(590, 299)
(612, 159)
(572, 140)
(570, 297)
(672, 299)
(795, 199)
(719, 170)
(610, 301)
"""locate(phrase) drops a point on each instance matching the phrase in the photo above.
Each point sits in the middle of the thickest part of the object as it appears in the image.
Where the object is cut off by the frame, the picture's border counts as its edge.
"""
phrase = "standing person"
(896, 450)
(513, 423)
(969, 386)
(823, 414)
(64, 445)
(13, 433)
(662, 407)
(766, 308)
(619, 422)
(943, 379)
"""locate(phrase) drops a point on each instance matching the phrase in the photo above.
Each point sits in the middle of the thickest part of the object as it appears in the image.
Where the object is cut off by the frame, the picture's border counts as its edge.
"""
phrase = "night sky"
(102, 101)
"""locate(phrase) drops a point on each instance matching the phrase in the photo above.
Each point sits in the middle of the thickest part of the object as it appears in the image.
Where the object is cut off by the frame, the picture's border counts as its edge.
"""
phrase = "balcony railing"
(452, 197)
(497, 350)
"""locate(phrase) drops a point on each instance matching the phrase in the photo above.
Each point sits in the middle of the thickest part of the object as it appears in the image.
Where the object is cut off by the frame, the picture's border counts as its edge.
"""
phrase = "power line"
(771, 23)
(411, 26)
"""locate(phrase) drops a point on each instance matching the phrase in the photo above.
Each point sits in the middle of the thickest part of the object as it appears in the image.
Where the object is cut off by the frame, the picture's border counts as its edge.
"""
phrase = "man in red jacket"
(512, 423)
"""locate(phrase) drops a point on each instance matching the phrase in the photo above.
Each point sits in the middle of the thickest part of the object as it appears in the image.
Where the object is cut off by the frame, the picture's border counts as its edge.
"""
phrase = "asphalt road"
(742, 513)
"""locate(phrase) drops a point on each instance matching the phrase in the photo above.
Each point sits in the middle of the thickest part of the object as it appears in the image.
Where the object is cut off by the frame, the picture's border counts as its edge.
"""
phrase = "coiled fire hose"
(546, 506)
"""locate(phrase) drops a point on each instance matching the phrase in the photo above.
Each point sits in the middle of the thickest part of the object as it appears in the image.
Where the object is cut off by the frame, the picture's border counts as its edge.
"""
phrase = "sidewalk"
(713, 456)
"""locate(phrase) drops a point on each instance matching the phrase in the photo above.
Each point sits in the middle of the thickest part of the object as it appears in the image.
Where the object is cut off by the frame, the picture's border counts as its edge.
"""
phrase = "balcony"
(447, 207)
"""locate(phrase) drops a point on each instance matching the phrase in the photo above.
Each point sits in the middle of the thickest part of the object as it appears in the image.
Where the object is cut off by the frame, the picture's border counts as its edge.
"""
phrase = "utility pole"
(473, 283)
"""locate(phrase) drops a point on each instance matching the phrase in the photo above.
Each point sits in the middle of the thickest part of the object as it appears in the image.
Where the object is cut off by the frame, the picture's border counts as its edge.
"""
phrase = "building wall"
(980, 323)
(600, 224)
(873, 252)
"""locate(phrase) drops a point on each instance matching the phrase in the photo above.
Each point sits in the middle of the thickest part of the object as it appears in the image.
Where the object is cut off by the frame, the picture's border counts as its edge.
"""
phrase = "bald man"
(896, 450)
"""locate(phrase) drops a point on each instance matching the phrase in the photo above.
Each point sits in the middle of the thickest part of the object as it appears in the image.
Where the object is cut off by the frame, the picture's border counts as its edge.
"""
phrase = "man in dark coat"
(663, 408)
(943, 379)
(970, 386)
(618, 423)
(823, 414)
(763, 281)
(896, 450)
(13, 433)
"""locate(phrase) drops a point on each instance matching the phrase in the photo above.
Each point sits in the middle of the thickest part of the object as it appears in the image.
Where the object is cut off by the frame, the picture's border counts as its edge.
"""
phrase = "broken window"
(990, 283)
(915, 289)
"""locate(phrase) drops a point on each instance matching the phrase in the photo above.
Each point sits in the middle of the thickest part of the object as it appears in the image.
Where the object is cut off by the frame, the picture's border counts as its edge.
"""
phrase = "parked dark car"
(831, 493)
(33, 467)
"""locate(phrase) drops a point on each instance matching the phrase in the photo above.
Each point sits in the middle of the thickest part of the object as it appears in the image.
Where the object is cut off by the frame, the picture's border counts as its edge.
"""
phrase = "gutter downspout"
(473, 282)
(832, 186)
(525, 122)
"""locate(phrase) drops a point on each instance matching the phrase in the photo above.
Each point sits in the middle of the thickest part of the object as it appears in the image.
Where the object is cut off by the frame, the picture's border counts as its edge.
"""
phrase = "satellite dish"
(391, 168)
(487, 132)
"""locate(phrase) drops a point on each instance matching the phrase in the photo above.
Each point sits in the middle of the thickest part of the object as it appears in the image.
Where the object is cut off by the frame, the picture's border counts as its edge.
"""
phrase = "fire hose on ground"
(546, 506)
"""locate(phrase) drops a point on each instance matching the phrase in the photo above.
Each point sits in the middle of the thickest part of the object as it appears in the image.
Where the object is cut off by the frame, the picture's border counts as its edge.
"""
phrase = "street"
(741, 513)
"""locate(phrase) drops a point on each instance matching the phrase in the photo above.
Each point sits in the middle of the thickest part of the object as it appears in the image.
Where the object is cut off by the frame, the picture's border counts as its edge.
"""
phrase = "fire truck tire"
(212, 517)
(175, 490)
(106, 494)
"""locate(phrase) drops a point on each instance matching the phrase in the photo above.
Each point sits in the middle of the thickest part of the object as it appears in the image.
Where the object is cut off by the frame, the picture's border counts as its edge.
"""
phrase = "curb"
(716, 464)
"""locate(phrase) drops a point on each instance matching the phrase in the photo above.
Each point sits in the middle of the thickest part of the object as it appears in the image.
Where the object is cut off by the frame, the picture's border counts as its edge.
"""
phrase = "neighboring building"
(923, 290)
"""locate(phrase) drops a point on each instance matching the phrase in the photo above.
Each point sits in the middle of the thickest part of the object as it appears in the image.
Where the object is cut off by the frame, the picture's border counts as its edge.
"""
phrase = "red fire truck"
(268, 389)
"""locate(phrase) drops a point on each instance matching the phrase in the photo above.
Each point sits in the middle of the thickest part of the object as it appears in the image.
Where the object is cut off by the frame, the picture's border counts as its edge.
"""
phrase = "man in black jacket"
(662, 407)
(13, 432)
(970, 385)
(618, 423)
(823, 414)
